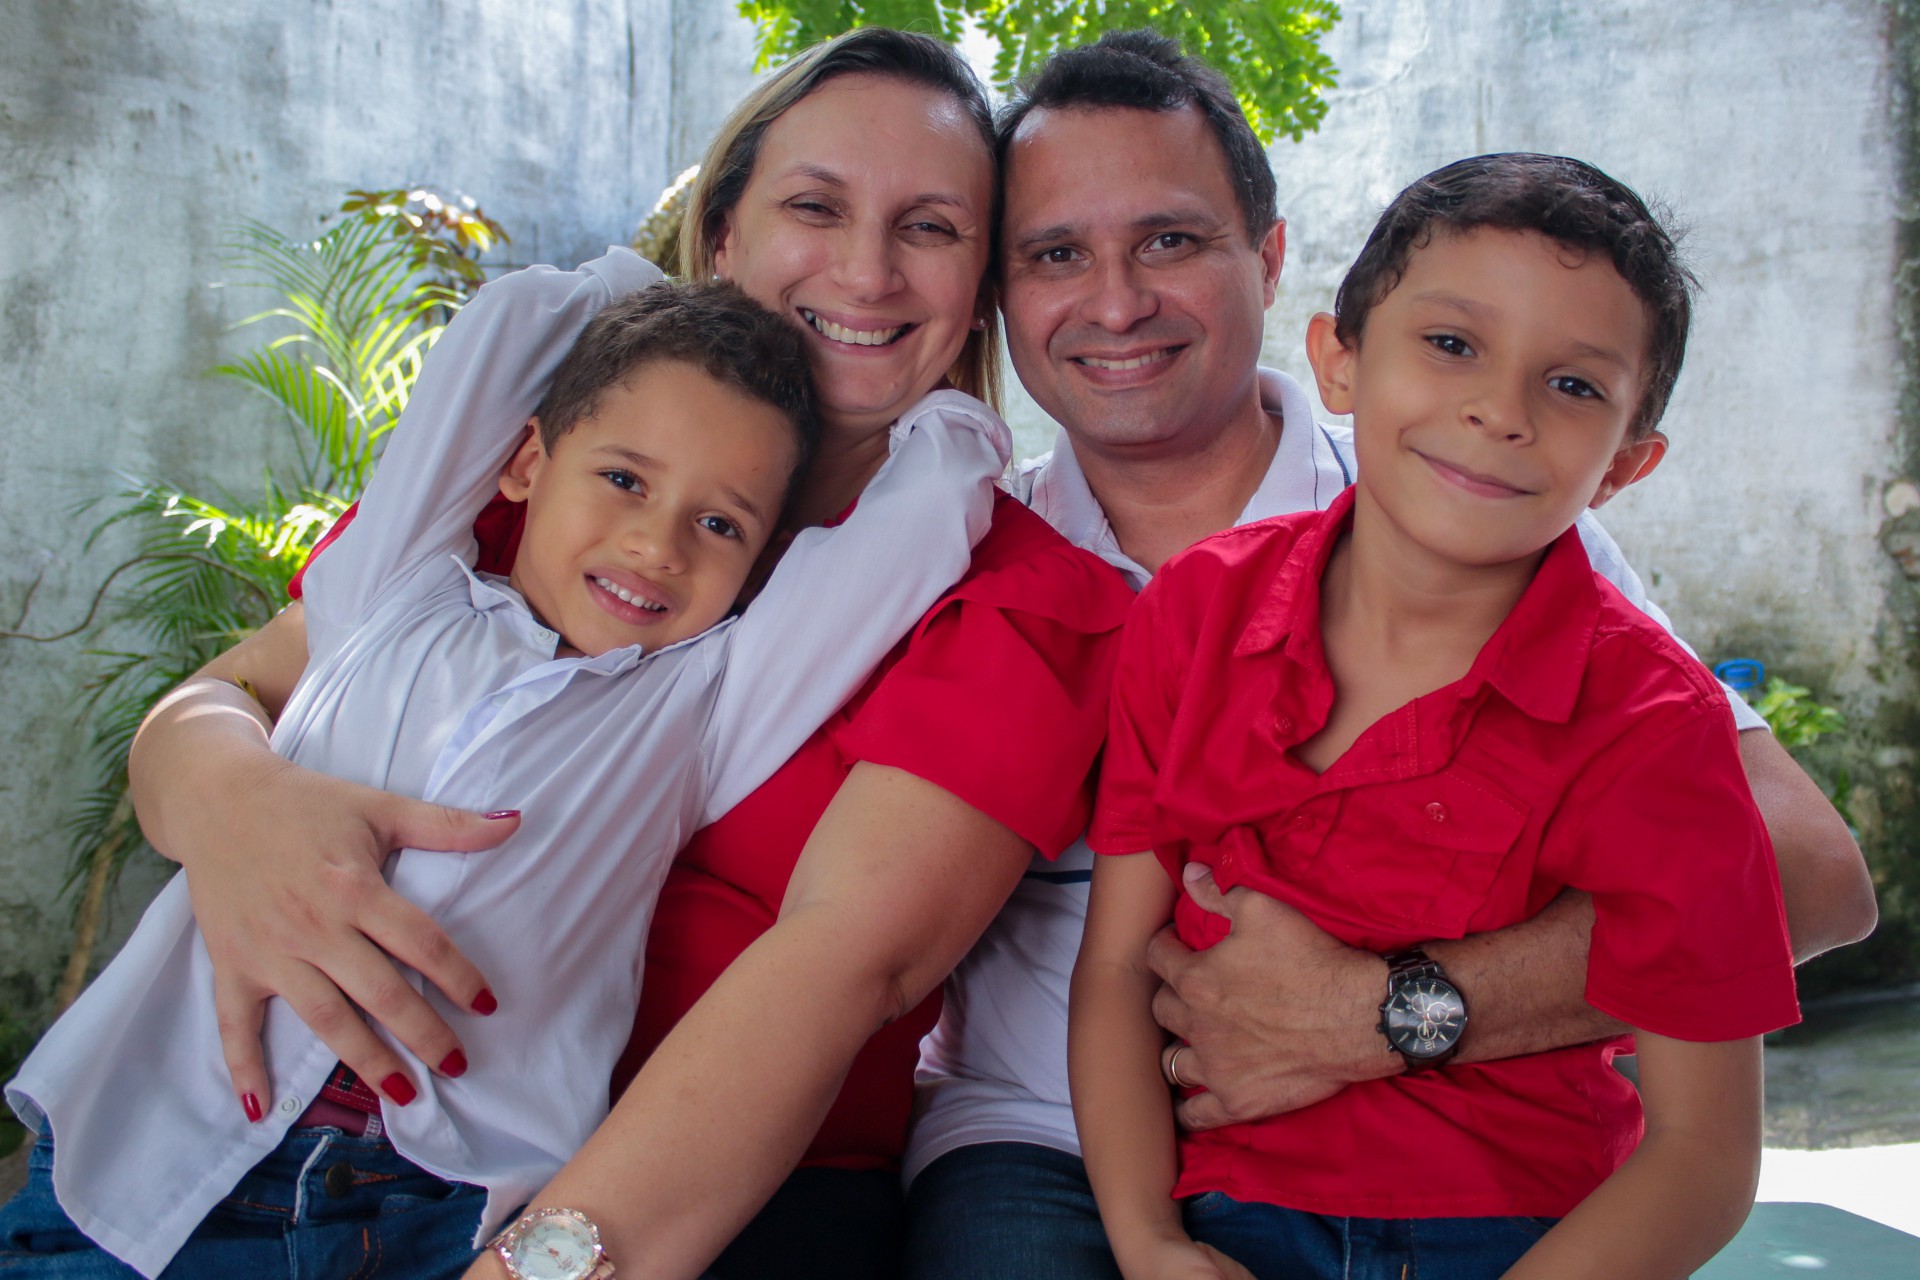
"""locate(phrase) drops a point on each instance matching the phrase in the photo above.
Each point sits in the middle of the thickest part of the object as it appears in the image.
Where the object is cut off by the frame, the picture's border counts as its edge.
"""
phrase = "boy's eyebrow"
(1479, 311)
(634, 458)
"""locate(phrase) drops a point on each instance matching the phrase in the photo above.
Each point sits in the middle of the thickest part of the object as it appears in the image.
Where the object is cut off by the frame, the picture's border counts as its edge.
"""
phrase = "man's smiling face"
(1133, 298)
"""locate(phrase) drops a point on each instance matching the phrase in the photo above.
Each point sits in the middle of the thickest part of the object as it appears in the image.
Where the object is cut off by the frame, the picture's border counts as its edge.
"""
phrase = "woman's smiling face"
(867, 222)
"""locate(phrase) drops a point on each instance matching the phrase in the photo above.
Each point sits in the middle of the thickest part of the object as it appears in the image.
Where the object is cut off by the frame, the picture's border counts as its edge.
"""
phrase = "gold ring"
(1172, 1067)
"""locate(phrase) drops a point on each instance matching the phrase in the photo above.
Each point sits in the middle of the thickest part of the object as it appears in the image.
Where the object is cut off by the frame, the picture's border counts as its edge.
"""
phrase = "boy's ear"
(1633, 463)
(516, 478)
(1332, 362)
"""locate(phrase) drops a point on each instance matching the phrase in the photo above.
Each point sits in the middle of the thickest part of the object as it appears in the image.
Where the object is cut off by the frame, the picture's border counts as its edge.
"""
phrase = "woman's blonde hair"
(881, 51)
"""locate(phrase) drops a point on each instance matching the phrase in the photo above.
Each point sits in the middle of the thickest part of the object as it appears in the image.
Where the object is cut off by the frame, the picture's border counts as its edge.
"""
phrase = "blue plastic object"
(1741, 674)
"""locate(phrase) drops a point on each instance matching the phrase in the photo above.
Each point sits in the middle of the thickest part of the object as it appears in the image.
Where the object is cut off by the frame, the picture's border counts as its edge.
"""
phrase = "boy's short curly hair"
(1147, 71)
(711, 325)
(1567, 200)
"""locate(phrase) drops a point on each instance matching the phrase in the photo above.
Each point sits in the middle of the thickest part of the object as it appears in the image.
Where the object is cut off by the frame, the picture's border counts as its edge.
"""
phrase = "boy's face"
(644, 520)
(1491, 393)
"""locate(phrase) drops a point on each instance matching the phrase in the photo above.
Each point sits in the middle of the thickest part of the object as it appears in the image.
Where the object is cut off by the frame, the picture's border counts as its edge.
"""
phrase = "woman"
(853, 192)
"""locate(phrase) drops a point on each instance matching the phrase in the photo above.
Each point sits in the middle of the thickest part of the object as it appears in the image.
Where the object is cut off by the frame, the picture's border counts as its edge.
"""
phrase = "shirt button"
(1284, 723)
(290, 1106)
(1301, 822)
(1437, 811)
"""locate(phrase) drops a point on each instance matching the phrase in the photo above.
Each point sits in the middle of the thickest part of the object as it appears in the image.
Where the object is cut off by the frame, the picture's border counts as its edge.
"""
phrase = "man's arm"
(1281, 1015)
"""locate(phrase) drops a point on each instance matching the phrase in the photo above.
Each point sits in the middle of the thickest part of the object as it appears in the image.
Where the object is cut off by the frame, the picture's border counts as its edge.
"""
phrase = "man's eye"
(1058, 256)
(624, 480)
(1580, 388)
(720, 525)
(1452, 344)
(1170, 240)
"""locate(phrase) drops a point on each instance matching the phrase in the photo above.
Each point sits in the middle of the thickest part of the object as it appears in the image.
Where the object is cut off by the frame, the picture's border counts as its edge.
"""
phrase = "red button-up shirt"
(1584, 748)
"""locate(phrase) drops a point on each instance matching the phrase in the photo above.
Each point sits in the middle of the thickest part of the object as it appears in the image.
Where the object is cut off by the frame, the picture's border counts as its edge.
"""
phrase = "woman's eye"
(1452, 344)
(812, 210)
(720, 525)
(929, 230)
(1579, 388)
(623, 480)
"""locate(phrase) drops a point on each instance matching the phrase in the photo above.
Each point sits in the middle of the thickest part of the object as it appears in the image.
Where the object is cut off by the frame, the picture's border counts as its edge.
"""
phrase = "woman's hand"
(284, 870)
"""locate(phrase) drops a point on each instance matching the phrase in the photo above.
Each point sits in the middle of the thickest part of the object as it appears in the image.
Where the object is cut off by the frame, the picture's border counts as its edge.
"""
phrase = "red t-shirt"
(1584, 748)
(998, 696)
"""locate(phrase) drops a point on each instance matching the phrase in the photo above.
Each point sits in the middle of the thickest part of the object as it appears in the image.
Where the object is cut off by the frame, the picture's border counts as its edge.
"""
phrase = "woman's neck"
(845, 460)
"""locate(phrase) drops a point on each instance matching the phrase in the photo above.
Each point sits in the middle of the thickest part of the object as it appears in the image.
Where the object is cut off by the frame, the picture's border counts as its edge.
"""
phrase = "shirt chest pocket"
(1424, 854)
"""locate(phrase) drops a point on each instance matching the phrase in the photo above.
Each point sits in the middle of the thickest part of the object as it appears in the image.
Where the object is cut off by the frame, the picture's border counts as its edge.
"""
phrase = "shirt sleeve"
(1604, 554)
(1145, 698)
(1689, 935)
(843, 596)
(467, 413)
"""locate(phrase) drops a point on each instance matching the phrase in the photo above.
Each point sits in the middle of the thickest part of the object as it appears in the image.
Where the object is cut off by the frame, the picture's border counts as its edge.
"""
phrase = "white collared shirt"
(433, 681)
(994, 1069)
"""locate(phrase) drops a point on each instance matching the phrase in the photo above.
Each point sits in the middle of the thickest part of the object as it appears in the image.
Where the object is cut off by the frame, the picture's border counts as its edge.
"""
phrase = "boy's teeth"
(1135, 363)
(857, 337)
(613, 588)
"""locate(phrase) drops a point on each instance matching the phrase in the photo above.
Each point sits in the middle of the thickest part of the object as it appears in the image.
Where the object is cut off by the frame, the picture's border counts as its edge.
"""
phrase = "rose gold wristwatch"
(553, 1244)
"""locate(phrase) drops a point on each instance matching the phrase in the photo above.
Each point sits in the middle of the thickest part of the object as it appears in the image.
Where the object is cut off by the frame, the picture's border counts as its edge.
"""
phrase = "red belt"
(345, 1103)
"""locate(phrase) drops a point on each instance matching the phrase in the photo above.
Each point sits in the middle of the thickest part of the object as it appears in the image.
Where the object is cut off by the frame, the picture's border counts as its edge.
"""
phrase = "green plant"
(1269, 50)
(1795, 718)
(358, 308)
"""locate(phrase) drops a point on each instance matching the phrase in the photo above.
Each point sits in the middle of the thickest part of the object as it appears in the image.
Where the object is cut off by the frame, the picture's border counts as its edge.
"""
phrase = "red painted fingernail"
(399, 1088)
(501, 815)
(252, 1106)
(484, 1004)
(454, 1064)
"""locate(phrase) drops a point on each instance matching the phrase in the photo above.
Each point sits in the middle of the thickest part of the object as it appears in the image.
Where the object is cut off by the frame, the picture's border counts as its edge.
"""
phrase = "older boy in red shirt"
(1420, 715)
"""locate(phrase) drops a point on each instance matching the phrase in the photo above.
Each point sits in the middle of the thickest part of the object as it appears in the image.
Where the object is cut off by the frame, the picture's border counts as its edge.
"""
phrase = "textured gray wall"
(132, 135)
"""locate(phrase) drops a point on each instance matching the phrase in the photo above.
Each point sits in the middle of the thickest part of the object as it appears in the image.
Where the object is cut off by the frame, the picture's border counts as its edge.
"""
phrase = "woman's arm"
(897, 880)
(283, 866)
(1686, 1189)
(1120, 1103)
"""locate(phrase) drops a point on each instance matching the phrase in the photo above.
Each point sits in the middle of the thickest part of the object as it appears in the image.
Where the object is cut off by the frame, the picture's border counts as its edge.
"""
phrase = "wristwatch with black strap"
(1424, 1014)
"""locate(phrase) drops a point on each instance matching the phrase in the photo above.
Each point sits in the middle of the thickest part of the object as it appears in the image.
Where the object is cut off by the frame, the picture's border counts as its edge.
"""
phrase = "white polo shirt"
(431, 680)
(994, 1069)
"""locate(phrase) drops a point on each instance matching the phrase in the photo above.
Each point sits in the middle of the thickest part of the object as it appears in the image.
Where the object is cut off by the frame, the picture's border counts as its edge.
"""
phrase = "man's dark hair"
(714, 327)
(1566, 200)
(1146, 71)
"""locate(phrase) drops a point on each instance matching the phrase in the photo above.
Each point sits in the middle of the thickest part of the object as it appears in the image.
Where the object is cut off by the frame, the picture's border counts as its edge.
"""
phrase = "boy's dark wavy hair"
(1147, 71)
(711, 325)
(1567, 200)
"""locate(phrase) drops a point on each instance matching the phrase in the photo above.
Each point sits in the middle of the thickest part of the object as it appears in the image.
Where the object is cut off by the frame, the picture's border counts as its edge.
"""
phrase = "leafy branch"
(1269, 50)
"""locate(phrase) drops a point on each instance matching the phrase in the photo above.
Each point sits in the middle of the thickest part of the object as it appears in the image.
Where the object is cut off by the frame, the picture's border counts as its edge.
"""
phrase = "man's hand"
(1279, 1015)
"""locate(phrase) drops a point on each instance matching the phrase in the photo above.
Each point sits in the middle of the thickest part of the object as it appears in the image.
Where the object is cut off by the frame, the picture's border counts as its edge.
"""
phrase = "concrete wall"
(133, 133)
(1775, 131)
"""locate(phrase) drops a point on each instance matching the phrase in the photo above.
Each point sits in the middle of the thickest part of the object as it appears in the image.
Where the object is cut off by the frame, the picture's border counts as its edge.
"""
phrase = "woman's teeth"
(614, 589)
(856, 337)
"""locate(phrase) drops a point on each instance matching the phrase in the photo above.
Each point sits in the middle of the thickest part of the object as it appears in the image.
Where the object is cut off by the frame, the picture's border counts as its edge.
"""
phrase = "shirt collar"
(1305, 475)
(490, 592)
(1536, 658)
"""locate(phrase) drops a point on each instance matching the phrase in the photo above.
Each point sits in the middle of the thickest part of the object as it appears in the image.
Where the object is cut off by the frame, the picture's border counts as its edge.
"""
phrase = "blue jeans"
(1287, 1244)
(321, 1206)
(1005, 1211)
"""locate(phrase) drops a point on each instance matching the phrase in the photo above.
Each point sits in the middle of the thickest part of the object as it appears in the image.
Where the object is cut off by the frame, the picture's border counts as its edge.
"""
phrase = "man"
(1140, 250)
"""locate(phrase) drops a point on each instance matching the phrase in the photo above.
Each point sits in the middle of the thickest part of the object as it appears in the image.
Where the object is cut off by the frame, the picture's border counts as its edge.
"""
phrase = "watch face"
(555, 1247)
(1424, 1018)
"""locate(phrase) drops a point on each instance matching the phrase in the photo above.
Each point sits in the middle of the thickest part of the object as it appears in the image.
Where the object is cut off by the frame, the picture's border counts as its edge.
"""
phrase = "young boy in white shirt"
(601, 690)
